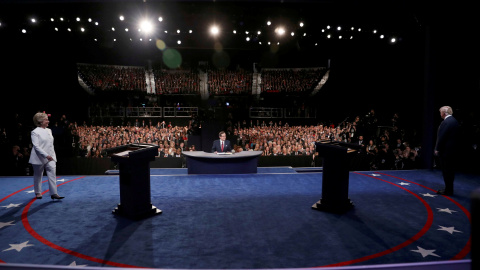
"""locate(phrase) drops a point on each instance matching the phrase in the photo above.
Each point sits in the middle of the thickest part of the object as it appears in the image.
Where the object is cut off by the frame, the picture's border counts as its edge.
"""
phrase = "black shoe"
(55, 196)
(38, 196)
(443, 192)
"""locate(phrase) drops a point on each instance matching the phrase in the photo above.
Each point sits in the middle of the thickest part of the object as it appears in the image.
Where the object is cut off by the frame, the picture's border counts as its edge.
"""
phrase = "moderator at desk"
(199, 162)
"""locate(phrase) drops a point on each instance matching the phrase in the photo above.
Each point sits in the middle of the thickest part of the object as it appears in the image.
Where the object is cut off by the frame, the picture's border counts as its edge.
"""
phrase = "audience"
(388, 148)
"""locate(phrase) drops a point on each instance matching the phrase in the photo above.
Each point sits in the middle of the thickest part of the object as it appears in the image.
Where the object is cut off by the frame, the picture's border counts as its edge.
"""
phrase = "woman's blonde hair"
(38, 118)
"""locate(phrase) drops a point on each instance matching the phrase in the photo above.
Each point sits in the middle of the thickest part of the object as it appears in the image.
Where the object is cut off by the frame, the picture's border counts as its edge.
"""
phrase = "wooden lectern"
(335, 176)
(134, 169)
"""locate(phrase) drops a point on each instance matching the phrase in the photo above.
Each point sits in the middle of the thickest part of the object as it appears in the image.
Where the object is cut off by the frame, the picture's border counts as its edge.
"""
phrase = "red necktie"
(222, 146)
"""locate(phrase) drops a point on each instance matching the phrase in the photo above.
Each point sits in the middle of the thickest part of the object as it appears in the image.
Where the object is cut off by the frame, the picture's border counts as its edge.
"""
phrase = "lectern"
(335, 177)
(134, 169)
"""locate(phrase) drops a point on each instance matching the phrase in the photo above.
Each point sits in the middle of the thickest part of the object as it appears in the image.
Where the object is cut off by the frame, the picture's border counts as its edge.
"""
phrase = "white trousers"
(51, 169)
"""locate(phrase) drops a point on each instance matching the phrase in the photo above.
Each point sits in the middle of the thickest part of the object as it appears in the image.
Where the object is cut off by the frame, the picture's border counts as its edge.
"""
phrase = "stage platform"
(244, 221)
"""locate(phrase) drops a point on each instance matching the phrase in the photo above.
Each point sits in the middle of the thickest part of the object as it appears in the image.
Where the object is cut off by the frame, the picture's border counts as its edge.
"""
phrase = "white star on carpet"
(404, 184)
(5, 224)
(375, 174)
(429, 195)
(425, 252)
(451, 230)
(18, 247)
(74, 263)
(30, 191)
(446, 210)
(11, 205)
(61, 180)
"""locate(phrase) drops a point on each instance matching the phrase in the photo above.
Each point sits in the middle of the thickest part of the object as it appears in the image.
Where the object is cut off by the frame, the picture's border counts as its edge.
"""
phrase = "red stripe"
(40, 238)
(425, 228)
(466, 249)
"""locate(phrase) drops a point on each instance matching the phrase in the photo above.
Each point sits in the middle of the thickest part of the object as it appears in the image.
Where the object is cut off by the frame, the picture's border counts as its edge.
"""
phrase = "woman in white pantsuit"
(43, 156)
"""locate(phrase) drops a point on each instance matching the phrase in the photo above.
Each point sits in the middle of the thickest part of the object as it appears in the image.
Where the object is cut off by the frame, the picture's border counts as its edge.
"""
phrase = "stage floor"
(245, 221)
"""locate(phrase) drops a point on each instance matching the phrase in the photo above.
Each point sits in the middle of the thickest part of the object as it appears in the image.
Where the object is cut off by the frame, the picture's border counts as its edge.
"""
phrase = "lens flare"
(172, 58)
(160, 44)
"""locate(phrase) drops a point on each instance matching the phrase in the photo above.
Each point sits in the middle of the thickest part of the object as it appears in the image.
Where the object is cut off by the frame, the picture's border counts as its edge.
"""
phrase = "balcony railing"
(147, 112)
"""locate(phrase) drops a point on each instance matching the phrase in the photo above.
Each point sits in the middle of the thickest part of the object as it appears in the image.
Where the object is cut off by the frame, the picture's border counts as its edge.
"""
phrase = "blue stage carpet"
(247, 221)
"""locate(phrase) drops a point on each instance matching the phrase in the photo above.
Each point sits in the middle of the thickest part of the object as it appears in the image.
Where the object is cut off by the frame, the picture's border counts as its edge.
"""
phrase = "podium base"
(120, 211)
(338, 207)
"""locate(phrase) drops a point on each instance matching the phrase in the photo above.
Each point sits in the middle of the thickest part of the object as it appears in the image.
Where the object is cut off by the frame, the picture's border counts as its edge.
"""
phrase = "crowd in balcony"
(104, 78)
(176, 82)
(225, 82)
(290, 80)
(219, 82)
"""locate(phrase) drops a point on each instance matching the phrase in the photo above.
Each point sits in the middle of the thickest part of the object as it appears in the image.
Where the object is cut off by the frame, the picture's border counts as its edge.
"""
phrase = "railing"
(147, 112)
(261, 112)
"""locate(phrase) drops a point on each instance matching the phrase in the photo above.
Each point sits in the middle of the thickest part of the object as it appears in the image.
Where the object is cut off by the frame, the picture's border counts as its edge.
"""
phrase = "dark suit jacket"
(447, 137)
(216, 147)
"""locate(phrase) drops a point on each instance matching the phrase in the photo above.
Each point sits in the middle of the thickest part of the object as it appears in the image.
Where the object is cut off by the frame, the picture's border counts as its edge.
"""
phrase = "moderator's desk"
(199, 162)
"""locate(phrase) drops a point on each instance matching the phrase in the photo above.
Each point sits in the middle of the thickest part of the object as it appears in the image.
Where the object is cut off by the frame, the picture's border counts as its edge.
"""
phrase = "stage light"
(160, 19)
(52, 20)
(24, 31)
(269, 23)
(146, 26)
(82, 29)
(301, 24)
(214, 30)
(259, 33)
(33, 20)
(280, 31)
(292, 34)
(78, 19)
(179, 42)
(126, 29)
(121, 18)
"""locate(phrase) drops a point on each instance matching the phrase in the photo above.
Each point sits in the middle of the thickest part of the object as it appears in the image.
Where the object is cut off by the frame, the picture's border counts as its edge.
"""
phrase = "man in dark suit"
(445, 148)
(222, 144)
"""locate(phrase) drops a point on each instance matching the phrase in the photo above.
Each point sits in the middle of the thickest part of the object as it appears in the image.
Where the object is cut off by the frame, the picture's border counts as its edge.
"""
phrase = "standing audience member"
(43, 156)
(445, 148)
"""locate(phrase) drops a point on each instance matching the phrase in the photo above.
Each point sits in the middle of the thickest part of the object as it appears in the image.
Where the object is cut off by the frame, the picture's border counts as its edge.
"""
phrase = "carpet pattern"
(246, 221)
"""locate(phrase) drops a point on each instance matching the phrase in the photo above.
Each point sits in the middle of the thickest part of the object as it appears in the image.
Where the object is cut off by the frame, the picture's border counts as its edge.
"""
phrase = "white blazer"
(42, 140)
